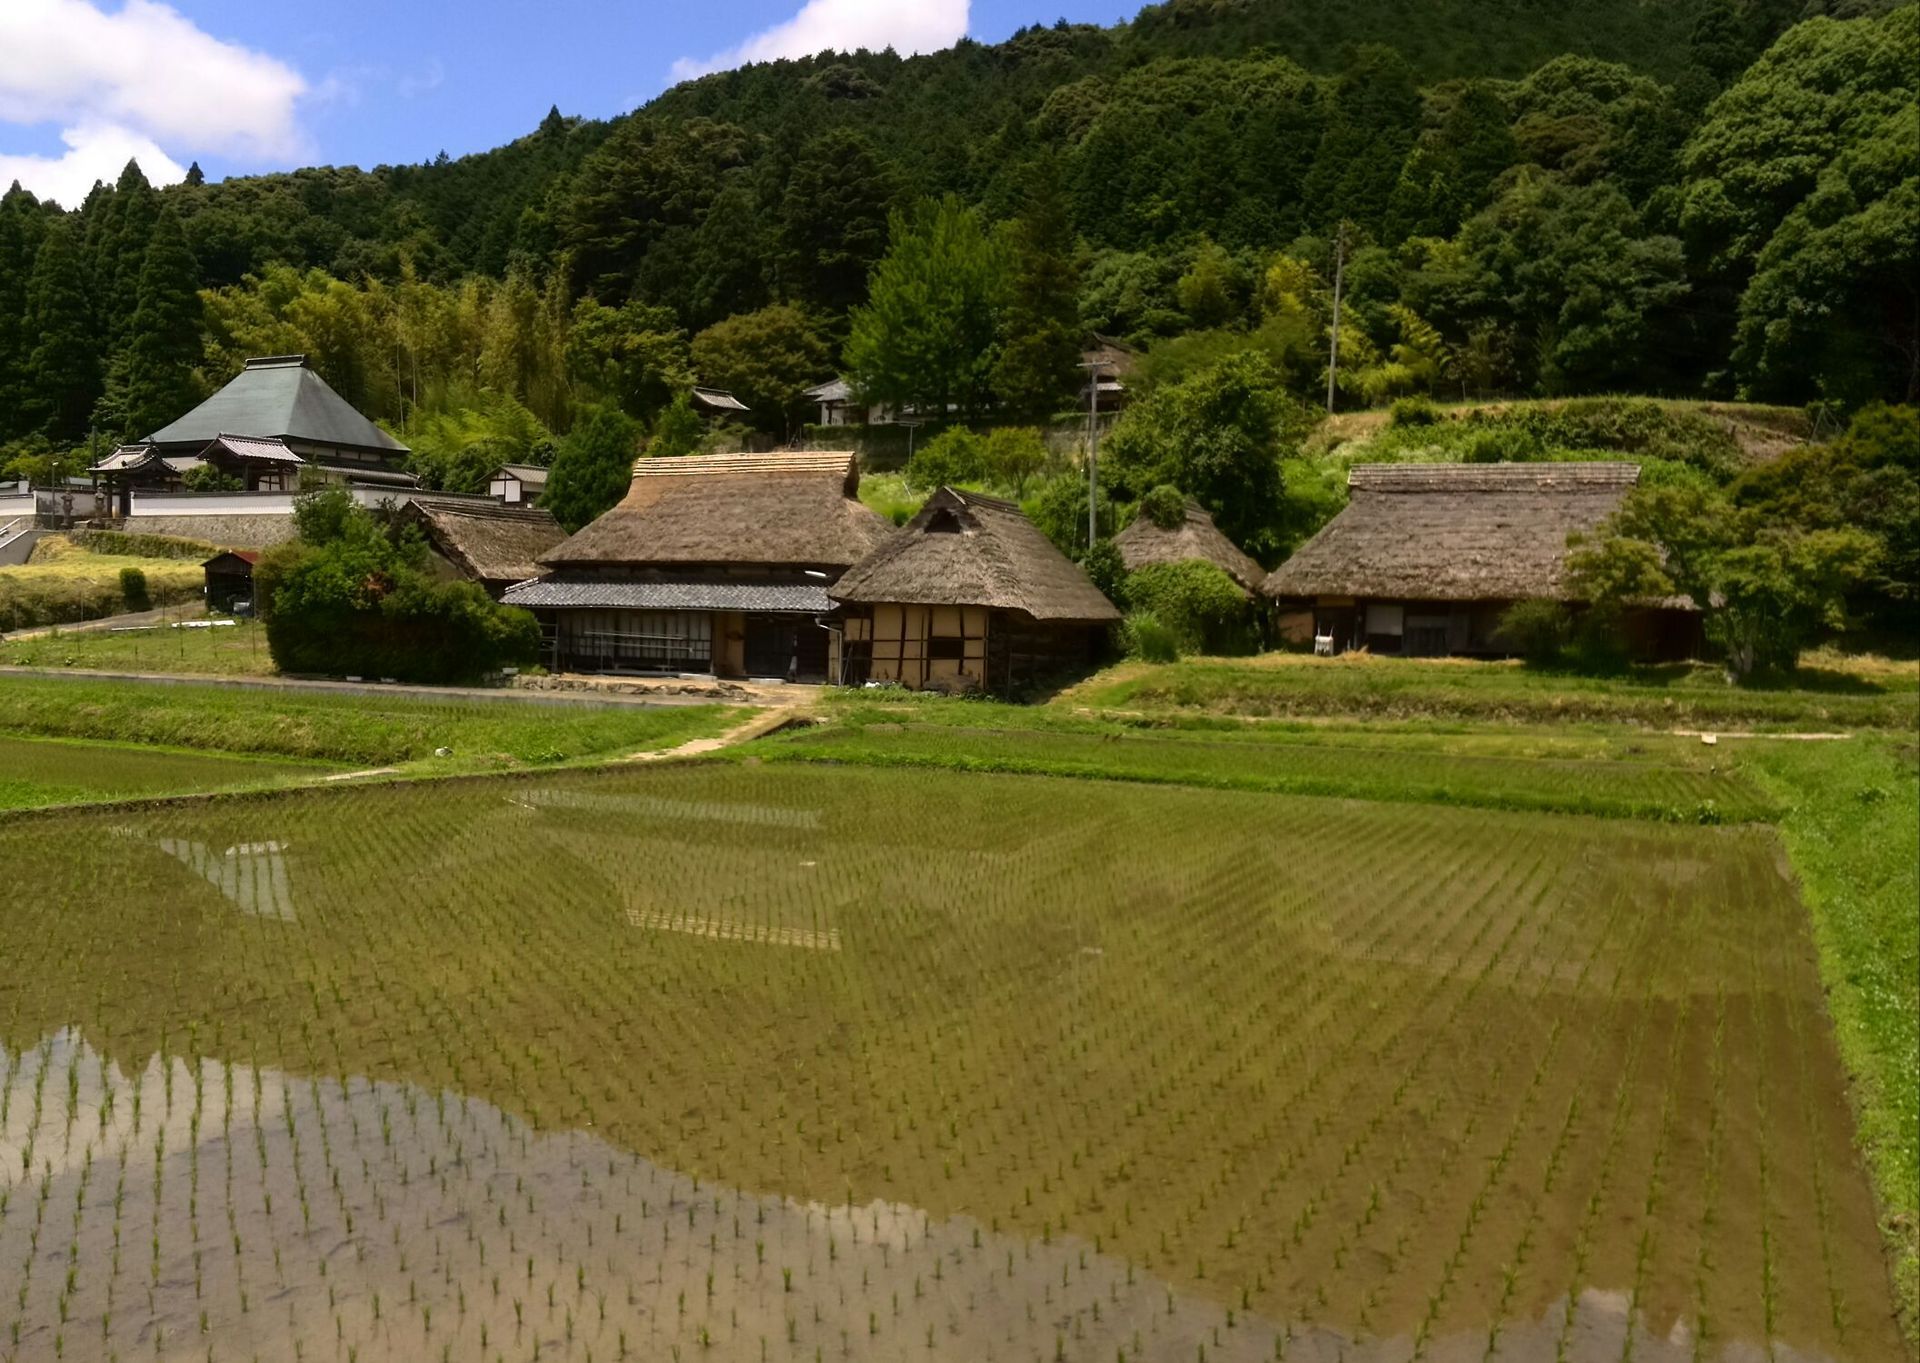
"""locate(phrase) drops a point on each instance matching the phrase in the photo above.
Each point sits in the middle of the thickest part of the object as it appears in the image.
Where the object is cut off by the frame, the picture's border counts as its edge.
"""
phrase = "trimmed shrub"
(1414, 411)
(1203, 607)
(133, 589)
(1145, 638)
(1538, 630)
(1164, 506)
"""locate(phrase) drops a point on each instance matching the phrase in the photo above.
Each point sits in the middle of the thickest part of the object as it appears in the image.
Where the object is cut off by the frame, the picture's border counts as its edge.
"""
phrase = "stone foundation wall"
(229, 532)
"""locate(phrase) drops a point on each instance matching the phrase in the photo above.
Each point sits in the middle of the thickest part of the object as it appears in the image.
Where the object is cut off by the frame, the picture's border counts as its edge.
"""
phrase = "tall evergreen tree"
(1040, 329)
(63, 370)
(1376, 112)
(22, 224)
(165, 344)
(833, 220)
(120, 250)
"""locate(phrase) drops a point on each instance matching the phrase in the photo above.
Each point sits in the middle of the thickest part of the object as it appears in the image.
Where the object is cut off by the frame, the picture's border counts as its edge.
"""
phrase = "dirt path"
(754, 726)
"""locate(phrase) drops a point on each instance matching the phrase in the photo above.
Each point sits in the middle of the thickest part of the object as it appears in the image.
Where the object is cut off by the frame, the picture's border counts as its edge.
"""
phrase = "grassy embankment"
(63, 582)
(52, 771)
(347, 729)
(1692, 696)
(236, 650)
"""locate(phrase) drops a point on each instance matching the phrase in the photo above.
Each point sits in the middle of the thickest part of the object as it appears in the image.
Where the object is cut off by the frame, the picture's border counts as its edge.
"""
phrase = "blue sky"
(241, 85)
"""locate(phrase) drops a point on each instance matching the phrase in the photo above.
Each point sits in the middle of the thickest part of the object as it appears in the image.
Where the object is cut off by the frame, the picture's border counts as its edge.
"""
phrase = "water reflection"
(217, 1210)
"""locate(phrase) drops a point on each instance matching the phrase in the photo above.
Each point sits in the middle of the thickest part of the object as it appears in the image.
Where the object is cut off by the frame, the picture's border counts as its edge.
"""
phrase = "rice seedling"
(793, 1061)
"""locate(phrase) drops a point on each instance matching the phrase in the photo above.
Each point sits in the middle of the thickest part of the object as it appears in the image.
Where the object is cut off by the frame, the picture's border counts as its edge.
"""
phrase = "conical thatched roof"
(279, 396)
(486, 541)
(749, 509)
(1455, 532)
(967, 550)
(1143, 544)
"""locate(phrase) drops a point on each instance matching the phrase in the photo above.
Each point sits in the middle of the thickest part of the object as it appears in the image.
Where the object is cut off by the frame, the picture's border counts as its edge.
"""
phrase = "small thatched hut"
(969, 595)
(482, 541)
(1144, 544)
(1426, 557)
(711, 563)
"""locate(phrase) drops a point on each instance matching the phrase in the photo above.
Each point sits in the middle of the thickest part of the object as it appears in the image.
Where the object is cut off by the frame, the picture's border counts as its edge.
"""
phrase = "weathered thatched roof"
(1143, 544)
(967, 550)
(746, 509)
(486, 541)
(278, 395)
(1455, 532)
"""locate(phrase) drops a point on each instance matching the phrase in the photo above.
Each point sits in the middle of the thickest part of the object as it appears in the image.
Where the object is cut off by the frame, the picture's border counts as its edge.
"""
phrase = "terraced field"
(45, 772)
(805, 1061)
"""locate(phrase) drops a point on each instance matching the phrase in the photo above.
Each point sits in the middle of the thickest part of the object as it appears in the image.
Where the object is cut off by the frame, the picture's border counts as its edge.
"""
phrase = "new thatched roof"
(1455, 532)
(279, 396)
(486, 541)
(748, 509)
(1143, 544)
(967, 550)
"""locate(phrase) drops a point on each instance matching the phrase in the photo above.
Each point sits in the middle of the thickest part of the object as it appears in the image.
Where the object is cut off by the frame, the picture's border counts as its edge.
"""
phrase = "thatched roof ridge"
(1455, 532)
(1144, 544)
(746, 509)
(486, 541)
(964, 549)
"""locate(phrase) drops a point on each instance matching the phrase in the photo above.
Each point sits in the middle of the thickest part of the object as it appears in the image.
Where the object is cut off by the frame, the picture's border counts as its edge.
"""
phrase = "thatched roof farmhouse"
(969, 595)
(1144, 544)
(711, 563)
(485, 542)
(1425, 558)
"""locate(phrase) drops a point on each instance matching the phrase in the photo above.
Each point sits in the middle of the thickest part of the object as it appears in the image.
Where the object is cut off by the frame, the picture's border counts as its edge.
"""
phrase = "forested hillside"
(1704, 197)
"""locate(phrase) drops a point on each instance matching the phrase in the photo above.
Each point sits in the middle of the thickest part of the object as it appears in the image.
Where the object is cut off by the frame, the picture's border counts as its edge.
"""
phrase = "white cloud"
(96, 151)
(907, 26)
(145, 70)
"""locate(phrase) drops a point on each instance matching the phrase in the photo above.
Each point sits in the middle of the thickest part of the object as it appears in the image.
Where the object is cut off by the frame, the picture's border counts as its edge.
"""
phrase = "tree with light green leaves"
(928, 336)
(768, 359)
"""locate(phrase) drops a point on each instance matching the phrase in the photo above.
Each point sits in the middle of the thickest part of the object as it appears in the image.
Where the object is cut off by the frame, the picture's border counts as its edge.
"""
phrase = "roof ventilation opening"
(943, 522)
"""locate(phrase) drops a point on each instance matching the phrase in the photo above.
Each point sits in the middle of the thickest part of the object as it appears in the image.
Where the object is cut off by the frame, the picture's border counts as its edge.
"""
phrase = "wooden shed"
(968, 596)
(1426, 558)
(229, 579)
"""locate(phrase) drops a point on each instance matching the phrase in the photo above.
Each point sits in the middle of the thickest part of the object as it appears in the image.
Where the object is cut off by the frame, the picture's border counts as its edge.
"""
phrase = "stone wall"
(229, 532)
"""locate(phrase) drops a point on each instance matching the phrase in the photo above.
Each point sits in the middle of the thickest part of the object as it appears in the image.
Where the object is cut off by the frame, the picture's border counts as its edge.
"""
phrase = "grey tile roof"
(278, 396)
(696, 594)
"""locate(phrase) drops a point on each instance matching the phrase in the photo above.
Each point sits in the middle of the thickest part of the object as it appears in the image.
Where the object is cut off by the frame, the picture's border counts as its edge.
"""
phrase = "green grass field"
(484, 735)
(58, 771)
(1281, 685)
(236, 650)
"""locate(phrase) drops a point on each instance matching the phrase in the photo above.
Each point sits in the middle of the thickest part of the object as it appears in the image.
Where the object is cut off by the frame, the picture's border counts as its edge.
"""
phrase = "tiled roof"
(688, 594)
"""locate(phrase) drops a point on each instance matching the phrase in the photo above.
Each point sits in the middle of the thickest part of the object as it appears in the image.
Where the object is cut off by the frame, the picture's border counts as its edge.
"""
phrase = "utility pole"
(1339, 281)
(1093, 368)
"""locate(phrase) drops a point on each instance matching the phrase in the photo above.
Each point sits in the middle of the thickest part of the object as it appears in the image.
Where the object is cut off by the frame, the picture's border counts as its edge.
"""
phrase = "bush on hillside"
(1198, 603)
(1102, 563)
(956, 455)
(1143, 637)
(1414, 411)
(1538, 630)
(133, 589)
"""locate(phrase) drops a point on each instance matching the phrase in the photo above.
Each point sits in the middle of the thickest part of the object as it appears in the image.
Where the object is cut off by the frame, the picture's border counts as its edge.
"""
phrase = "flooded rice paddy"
(772, 1062)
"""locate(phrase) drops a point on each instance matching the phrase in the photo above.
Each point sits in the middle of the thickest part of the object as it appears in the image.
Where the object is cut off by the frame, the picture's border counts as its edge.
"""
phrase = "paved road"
(507, 695)
(133, 620)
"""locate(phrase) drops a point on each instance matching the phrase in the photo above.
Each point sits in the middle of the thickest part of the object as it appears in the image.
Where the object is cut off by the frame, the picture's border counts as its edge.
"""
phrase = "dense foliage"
(352, 596)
